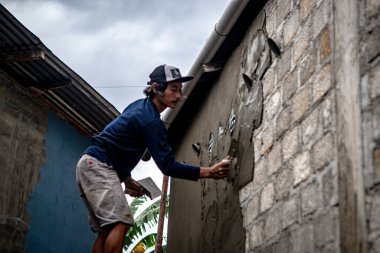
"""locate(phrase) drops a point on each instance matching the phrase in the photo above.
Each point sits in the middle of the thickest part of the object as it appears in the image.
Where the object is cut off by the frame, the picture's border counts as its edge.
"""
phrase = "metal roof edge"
(93, 101)
(217, 37)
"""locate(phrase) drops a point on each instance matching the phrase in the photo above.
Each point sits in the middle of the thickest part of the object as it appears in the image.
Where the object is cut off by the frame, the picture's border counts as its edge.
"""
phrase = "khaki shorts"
(101, 191)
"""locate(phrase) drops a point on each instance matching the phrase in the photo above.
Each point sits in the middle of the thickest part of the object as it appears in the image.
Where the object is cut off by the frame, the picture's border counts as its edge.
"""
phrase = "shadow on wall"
(58, 218)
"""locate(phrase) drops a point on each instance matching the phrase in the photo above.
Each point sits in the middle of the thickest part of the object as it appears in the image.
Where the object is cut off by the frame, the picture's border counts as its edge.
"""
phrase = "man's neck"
(160, 106)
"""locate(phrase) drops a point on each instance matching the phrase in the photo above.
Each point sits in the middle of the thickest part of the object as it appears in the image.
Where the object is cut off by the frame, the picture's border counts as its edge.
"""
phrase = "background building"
(48, 114)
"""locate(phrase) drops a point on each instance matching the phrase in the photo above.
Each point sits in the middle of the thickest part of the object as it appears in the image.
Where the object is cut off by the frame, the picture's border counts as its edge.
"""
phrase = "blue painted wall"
(57, 216)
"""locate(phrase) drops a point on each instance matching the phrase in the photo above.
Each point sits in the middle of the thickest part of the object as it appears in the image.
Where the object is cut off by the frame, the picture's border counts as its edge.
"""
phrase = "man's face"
(172, 95)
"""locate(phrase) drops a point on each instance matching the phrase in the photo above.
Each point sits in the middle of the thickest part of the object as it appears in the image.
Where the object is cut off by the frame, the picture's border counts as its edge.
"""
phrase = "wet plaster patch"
(222, 221)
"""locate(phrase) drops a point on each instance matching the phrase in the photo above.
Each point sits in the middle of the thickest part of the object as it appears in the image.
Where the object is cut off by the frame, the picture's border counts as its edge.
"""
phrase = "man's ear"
(154, 88)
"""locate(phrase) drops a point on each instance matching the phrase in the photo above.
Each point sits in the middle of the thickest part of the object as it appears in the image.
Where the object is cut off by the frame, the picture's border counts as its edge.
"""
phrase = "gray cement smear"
(222, 221)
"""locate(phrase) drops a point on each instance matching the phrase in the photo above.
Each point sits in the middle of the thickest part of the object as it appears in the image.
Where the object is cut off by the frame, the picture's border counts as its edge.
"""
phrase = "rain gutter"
(219, 34)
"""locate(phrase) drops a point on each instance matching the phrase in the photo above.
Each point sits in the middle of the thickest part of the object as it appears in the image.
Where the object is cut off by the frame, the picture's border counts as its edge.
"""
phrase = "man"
(117, 150)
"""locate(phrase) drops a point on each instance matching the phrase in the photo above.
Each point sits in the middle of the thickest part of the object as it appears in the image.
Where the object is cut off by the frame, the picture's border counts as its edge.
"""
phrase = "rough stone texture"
(323, 152)
(283, 245)
(376, 165)
(309, 198)
(251, 210)
(282, 10)
(325, 44)
(289, 212)
(273, 105)
(257, 140)
(306, 6)
(289, 86)
(330, 189)
(283, 64)
(256, 235)
(270, 23)
(327, 109)
(267, 197)
(302, 239)
(301, 103)
(310, 127)
(283, 121)
(321, 17)
(307, 65)
(268, 81)
(325, 226)
(290, 144)
(301, 41)
(301, 167)
(372, 46)
(272, 224)
(374, 214)
(268, 138)
(372, 8)
(291, 26)
(376, 123)
(284, 182)
(375, 246)
(322, 83)
(375, 81)
(274, 159)
(245, 192)
(23, 126)
(260, 175)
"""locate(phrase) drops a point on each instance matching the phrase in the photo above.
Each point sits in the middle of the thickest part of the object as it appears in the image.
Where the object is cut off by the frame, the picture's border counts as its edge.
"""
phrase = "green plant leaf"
(148, 218)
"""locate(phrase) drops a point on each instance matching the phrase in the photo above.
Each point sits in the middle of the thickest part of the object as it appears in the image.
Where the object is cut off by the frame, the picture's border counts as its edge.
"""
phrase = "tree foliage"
(148, 218)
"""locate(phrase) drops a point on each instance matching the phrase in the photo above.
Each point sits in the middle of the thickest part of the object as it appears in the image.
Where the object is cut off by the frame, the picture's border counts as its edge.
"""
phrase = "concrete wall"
(22, 154)
(315, 152)
(40, 208)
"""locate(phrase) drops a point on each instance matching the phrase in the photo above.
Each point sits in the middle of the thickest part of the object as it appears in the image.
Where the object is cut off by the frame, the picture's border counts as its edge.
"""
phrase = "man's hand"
(133, 188)
(218, 170)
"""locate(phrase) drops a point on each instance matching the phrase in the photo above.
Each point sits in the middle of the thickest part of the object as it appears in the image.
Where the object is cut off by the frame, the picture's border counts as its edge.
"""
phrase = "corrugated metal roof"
(27, 60)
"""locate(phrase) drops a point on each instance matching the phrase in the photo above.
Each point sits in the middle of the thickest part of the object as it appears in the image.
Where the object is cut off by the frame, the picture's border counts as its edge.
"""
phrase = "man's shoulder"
(143, 111)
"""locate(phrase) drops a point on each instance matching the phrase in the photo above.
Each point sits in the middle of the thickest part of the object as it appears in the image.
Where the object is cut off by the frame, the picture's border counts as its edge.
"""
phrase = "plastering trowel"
(233, 154)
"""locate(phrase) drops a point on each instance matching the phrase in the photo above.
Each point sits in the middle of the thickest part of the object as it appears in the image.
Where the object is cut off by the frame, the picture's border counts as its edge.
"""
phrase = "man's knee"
(115, 239)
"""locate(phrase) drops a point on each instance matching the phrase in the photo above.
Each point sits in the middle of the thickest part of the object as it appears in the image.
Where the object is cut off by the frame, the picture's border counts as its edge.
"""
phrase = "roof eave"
(227, 35)
(26, 59)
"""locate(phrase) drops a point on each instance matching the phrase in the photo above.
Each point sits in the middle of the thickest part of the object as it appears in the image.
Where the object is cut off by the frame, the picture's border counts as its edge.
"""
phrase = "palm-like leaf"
(137, 202)
(148, 218)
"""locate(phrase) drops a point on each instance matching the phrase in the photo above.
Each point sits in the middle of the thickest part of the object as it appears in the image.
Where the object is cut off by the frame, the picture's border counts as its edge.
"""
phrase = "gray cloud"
(119, 42)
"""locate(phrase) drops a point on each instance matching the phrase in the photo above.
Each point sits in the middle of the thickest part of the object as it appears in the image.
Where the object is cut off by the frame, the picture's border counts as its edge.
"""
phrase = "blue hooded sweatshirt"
(123, 141)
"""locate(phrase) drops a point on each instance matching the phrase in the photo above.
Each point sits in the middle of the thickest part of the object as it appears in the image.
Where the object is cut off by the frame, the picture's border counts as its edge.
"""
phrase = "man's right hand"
(218, 170)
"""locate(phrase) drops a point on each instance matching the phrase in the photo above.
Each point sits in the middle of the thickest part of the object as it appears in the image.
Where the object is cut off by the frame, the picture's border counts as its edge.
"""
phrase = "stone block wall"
(315, 150)
(369, 28)
(291, 204)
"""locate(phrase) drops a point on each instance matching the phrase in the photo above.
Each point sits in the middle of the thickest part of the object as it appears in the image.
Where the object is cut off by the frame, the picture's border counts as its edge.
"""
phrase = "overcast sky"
(112, 43)
(119, 42)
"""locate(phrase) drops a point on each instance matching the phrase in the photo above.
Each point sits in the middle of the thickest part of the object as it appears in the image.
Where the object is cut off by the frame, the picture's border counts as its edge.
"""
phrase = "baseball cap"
(167, 74)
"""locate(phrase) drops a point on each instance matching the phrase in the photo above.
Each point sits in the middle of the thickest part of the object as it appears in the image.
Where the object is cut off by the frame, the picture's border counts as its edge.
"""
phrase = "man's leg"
(115, 239)
(100, 242)
(106, 201)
